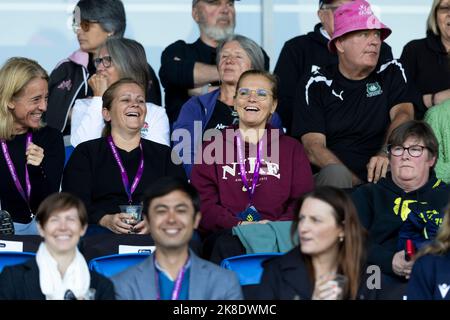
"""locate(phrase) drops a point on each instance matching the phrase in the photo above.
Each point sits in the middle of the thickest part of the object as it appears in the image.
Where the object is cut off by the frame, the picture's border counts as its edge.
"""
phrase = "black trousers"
(221, 245)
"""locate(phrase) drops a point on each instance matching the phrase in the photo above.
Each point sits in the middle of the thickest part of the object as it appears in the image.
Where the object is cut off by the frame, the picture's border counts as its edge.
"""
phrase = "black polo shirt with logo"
(352, 114)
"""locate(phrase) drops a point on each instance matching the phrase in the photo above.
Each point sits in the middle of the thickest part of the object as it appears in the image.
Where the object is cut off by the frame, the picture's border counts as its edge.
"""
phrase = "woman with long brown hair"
(328, 262)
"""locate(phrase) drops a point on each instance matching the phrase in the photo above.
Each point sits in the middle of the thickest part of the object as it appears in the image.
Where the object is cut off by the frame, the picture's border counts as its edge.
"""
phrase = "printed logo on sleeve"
(443, 288)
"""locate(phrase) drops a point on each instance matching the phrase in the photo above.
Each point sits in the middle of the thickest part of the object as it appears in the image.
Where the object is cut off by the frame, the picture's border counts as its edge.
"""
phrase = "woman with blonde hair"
(31, 155)
(430, 277)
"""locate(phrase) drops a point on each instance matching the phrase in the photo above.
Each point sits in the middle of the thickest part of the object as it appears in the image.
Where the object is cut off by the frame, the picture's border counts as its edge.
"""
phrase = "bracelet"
(432, 99)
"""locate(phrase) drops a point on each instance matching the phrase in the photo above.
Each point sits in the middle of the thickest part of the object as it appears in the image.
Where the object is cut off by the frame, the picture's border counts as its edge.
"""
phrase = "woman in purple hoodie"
(250, 173)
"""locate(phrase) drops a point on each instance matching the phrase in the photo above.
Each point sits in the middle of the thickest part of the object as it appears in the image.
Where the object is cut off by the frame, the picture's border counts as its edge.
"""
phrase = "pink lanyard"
(177, 287)
(241, 159)
(123, 172)
(12, 170)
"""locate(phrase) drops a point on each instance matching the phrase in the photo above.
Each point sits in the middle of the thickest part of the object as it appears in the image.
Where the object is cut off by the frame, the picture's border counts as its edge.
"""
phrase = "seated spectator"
(300, 53)
(116, 59)
(59, 270)
(331, 248)
(173, 272)
(32, 155)
(437, 117)
(430, 275)
(214, 110)
(346, 111)
(256, 174)
(114, 170)
(383, 207)
(189, 69)
(94, 21)
(427, 60)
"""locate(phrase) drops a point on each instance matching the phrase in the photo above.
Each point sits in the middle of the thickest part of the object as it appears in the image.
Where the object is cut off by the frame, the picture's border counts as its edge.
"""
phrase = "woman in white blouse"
(117, 59)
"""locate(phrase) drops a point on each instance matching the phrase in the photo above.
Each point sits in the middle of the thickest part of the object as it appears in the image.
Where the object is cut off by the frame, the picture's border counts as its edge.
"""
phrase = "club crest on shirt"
(373, 89)
(443, 288)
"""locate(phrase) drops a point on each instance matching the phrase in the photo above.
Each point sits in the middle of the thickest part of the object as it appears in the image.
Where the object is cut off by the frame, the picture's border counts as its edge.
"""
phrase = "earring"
(341, 238)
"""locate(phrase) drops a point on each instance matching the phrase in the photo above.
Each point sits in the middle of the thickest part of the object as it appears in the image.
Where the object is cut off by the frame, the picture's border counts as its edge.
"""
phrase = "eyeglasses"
(84, 25)
(106, 61)
(245, 93)
(444, 9)
(414, 151)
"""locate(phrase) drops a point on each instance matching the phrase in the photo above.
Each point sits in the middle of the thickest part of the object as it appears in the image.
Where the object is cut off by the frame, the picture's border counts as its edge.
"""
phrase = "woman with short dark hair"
(94, 21)
(59, 270)
(409, 189)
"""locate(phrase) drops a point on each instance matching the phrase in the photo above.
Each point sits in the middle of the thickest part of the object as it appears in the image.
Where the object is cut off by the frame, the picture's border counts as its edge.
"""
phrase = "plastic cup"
(134, 210)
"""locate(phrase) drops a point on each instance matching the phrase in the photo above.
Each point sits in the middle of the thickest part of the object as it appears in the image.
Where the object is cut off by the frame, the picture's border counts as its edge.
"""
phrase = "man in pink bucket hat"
(301, 52)
(345, 112)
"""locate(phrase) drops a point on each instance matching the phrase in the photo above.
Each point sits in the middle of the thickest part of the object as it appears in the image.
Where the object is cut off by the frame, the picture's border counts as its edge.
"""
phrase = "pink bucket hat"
(353, 16)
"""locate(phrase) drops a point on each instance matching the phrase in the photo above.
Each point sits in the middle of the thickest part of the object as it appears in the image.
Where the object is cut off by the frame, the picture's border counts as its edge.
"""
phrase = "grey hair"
(129, 58)
(109, 13)
(432, 21)
(252, 49)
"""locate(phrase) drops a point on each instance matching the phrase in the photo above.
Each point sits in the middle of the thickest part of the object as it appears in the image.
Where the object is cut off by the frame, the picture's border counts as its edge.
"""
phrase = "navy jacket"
(286, 278)
(430, 278)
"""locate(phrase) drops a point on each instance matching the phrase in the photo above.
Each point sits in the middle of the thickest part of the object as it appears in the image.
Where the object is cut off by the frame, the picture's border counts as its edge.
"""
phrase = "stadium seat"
(9, 258)
(68, 151)
(248, 266)
(113, 264)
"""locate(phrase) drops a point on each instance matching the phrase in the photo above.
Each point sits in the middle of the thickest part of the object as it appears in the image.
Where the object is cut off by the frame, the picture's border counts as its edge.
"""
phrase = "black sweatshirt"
(45, 179)
(92, 174)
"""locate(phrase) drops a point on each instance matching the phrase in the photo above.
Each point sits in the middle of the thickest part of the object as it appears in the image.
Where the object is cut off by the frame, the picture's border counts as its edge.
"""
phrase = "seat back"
(68, 152)
(9, 258)
(248, 266)
(113, 264)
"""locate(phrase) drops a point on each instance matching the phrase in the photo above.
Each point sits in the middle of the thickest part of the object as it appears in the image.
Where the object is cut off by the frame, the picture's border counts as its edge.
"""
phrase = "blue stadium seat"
(113, 264)
(9, 258)
(68, 150)
(248, 266)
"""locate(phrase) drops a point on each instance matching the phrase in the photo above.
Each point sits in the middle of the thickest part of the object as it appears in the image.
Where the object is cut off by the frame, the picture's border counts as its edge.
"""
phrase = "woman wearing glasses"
(113, 62)
(255, 173)
(427, 60)
(94, 21)
(214, 110)
(411, 187)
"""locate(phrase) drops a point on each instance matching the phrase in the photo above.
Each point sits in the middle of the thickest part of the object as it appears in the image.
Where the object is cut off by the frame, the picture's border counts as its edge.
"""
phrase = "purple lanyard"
(241, 159)
(123, 172)
(12, 170)
(177, 287)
